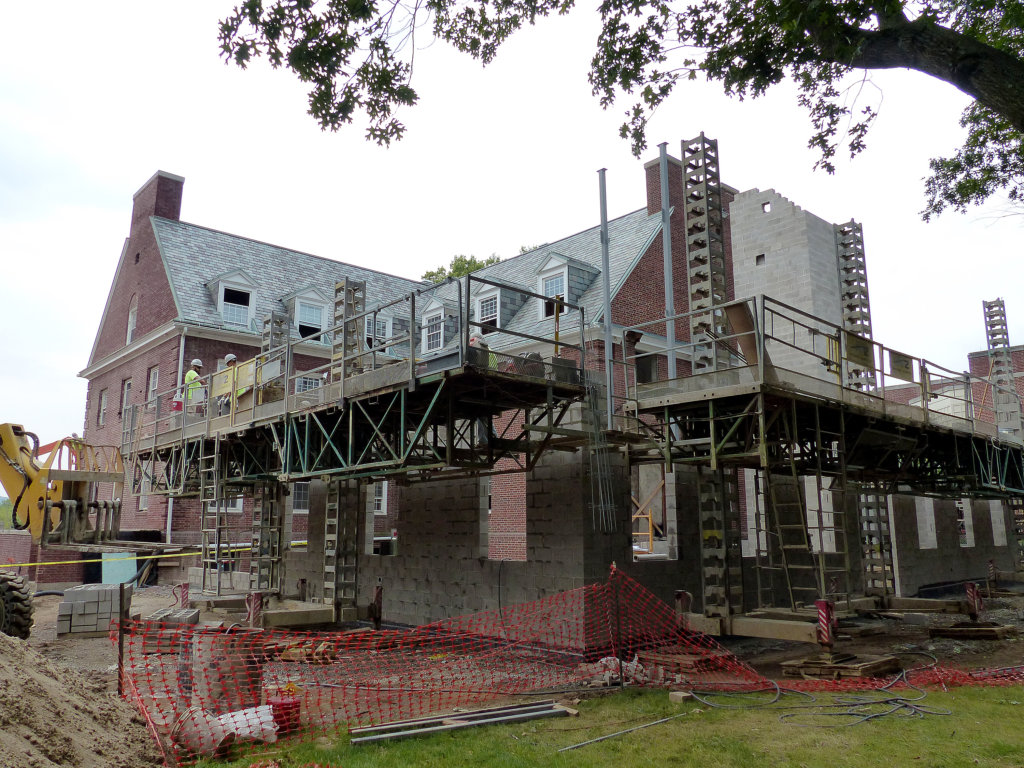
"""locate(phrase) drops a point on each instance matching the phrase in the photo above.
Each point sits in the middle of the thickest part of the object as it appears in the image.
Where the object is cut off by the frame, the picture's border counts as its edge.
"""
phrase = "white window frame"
(375, 329)
(101, 409)
(152, 383)
(481, 318)
(562, 272)
(300, 510)
(299, 305)
(435, 317)
(308, 384)
(233, 505)
(380, 497)
(133, 316)
(222, 303)
(126, 395)
(144, 489)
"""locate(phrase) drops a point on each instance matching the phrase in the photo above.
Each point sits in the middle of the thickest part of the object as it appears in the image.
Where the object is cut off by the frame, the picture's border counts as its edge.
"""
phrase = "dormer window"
(235, 306)
(487, 312)
(378, 330)
(433, 331)
(553, 286)
(310, 319)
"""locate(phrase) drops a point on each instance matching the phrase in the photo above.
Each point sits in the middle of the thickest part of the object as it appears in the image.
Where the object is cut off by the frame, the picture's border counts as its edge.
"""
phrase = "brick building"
(183, 291)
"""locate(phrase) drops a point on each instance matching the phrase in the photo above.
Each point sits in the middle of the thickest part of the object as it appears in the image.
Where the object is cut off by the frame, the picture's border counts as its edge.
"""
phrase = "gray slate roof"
(628, 236)
(196, 256)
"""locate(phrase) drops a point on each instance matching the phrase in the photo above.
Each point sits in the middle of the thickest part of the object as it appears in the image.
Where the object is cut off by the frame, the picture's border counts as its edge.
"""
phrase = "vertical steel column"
(666, 247)
(607, 284)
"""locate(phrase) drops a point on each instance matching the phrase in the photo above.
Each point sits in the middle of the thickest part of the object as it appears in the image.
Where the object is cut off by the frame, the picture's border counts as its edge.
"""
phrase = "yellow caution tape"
(5, 566)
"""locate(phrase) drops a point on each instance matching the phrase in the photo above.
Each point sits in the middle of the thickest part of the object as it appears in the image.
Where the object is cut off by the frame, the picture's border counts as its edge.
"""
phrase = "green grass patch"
(983, 729)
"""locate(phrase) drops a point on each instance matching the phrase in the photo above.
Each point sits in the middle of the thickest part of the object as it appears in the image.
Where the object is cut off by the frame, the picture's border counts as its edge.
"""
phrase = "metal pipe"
(607, 309)
(666, 247)
(619, 733)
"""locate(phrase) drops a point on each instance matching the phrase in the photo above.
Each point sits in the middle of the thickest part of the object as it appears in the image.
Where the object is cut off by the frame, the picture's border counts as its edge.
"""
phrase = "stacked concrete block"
(168, 639)
(90, 608)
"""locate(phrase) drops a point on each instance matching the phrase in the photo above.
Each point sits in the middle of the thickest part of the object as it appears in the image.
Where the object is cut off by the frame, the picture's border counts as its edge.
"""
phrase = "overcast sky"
(494, 159)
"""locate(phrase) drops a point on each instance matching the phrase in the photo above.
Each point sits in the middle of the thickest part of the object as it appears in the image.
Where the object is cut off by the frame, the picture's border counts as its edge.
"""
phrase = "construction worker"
(480, 354)
(195, 393)
(230, 363)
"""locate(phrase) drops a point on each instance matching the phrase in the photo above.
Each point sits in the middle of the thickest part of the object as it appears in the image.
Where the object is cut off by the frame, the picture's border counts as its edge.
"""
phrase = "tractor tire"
(15, 605)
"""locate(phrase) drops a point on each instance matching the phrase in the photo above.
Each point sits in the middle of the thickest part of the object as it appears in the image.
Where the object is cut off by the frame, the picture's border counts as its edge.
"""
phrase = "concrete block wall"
(927, 542)
(799, 266)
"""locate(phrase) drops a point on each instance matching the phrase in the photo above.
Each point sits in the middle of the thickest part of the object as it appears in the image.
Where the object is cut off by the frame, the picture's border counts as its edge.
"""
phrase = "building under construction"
(691, 390)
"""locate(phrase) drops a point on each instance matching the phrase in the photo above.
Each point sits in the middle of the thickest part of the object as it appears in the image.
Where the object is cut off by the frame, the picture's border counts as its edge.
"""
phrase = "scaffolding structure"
(1005, 399)
(705, 251)
(823, 452)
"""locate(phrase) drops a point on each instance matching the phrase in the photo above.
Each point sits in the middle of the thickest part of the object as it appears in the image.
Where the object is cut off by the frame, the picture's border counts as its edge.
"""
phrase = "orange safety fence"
(206, 689)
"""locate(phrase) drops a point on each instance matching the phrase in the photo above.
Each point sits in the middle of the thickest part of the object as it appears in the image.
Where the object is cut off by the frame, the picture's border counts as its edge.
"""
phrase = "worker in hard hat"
(195, 392)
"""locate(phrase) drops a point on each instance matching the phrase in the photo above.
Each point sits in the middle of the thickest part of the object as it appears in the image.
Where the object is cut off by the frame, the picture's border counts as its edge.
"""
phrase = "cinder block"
(64, 609)
(89, 607)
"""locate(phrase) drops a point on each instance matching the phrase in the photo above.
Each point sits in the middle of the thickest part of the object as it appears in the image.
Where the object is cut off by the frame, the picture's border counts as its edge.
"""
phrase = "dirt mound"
(50, 716)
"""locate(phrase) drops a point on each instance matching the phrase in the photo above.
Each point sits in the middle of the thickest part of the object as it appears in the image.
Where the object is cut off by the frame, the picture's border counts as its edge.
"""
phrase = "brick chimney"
(675, 183)
(160, 196)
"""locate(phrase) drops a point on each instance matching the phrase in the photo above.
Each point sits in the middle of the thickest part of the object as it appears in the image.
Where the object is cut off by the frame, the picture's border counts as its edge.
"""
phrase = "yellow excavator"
(55, 499)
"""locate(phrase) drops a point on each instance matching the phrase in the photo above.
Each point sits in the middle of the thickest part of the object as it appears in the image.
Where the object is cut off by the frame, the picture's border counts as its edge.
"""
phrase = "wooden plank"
(775, 629)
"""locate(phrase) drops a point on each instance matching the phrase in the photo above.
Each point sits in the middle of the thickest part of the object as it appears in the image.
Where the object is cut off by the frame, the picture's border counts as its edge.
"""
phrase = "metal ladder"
(265, 570)
(213, 519)
(876, 540)
(341, 550)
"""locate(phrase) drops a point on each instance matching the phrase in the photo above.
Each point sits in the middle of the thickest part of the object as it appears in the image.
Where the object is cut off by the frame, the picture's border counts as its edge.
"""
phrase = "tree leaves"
(459, 267)
(357, 57)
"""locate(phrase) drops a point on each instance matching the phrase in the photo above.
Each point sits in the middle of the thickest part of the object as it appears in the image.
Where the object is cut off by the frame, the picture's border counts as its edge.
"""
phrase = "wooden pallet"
(839, 667)
(974, 630)
(677, 659)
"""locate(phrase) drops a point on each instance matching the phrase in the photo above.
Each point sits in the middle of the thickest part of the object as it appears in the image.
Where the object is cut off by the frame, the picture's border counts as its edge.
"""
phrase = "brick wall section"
(507, 521)
(17, 547)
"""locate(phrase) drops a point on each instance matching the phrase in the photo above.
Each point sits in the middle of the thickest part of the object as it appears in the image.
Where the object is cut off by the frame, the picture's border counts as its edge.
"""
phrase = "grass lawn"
(985, 728)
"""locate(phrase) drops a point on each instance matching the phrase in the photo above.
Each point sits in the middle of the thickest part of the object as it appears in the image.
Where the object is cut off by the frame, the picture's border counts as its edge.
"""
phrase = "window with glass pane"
(376, 331)
(554, 287)
(154, 377)
(489, 314)
(435, 332)
(236, 306)
(310, 320)
(306, 383)
(380, 498)
(300, 497)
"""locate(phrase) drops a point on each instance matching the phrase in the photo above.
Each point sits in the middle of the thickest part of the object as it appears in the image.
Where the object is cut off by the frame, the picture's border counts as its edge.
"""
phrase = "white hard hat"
(229, 358)
(197, 363)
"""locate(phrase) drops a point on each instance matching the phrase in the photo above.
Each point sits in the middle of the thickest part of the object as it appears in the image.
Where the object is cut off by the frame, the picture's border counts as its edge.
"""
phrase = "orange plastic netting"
(203, 688)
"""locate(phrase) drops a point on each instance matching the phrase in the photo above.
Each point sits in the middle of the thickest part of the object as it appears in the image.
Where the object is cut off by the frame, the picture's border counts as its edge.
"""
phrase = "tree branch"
(992, 77)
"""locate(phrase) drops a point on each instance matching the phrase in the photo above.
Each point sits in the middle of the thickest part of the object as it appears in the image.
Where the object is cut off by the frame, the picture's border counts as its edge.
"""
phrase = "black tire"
(15, 605)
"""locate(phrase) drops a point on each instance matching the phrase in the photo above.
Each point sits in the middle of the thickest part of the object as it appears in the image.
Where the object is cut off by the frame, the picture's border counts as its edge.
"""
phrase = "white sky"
(494, 159)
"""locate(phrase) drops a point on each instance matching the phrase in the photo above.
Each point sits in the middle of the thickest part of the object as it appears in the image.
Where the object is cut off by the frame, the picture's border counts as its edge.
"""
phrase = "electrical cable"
(856, 708)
